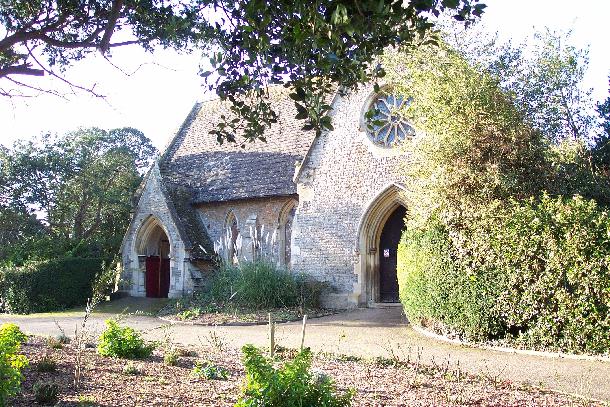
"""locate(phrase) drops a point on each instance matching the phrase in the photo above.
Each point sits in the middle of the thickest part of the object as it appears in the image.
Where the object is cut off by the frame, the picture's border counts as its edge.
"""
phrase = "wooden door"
(153, 268)
(157, 277)
(388, 245)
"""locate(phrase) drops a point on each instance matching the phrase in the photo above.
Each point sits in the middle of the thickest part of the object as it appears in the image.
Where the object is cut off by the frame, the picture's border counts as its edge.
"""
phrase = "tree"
(78, 186)
(544, 76)
(313, 46)
(601, 148)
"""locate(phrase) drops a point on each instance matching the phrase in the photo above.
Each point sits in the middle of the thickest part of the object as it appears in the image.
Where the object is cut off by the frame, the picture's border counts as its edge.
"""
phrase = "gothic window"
(286, 221)
(388, 127)
(231, 238)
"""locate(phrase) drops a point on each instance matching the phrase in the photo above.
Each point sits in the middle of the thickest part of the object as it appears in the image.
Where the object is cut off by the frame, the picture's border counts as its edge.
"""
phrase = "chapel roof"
(215, 172)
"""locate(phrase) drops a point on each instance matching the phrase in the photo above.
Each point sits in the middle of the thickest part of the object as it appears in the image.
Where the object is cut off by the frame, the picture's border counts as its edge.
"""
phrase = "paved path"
(369, 333)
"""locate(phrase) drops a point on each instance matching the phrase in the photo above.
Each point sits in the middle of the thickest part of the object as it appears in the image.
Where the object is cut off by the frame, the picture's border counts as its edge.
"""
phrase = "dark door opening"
(157, 277)
(388, 245)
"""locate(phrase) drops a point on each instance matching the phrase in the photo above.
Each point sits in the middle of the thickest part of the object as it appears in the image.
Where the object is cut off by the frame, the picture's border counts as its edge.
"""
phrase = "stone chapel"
(328, 206)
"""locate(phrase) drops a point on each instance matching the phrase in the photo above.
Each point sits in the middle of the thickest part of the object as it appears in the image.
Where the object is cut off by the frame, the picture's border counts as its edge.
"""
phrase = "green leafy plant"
(293, 384)
(11, 334)
(46, 392)
(189, 314)
(122, 342)
(11, 362)
(209, 371)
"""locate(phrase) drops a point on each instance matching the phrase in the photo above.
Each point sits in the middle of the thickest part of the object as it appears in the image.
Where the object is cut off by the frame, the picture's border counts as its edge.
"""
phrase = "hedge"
(48, 285)
(534, 273)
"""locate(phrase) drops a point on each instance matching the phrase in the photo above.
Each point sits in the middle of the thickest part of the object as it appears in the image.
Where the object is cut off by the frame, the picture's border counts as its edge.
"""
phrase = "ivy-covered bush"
(47, 285)
(122, 342)
(261, 285)
(293, 384)
(11, 362)
(535, 272)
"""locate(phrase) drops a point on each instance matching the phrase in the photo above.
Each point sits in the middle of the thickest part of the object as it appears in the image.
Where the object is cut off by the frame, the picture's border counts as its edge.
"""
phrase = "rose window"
(387, 127)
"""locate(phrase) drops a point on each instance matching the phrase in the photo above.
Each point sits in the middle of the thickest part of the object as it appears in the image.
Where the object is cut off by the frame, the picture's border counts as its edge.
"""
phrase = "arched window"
(285, 232)
(387, 127)
(232, 238)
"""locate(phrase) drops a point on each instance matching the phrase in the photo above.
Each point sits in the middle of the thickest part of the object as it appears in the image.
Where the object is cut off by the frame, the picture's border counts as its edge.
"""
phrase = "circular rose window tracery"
(387, 127)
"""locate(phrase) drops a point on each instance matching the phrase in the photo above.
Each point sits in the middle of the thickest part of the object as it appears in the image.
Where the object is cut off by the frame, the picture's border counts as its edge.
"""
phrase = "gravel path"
(367, 333)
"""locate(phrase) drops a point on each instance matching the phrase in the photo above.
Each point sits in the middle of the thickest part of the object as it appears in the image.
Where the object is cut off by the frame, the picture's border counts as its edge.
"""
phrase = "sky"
(155, 92)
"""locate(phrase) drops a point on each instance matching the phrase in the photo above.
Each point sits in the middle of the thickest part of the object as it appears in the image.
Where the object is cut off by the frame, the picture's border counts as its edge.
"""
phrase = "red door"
(157, 277)
(390, 238)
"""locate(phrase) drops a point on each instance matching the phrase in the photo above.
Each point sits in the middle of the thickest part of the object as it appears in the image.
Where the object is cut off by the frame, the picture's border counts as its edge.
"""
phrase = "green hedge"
(534, 273)
(48, 285)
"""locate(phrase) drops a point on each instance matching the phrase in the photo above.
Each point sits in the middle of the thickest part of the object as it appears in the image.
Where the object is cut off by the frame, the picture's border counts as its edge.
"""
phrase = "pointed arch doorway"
(154, 246)
(388, 259)
(379, 234)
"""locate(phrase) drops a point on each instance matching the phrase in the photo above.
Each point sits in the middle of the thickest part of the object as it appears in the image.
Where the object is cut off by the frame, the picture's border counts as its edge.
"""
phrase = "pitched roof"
(215, 172)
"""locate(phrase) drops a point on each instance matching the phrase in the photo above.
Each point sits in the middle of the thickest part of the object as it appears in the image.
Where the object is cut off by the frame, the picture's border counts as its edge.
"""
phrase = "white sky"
(157, 98)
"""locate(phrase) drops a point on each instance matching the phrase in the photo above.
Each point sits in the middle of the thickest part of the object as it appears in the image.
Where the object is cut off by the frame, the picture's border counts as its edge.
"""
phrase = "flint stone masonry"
(343, 172)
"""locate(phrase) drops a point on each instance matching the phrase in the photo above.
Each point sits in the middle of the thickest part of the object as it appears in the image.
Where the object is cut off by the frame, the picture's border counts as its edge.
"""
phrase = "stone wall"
(343, 173)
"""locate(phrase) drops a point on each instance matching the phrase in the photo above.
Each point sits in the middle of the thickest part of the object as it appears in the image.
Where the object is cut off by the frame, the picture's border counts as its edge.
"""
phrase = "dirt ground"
(377, 382)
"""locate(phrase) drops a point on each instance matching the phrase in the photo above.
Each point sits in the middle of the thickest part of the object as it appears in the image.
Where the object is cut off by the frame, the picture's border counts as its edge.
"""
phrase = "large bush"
(261, 285)
(11, 362)
(535, 272)
(47, 285)
(508, 235)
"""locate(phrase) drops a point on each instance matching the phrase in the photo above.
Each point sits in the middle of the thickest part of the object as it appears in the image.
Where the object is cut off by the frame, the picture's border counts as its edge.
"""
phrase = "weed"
(209, 371)
(189, 314)
(54, 343)
(46, 364)
(86, 401)
(186, 353)
(131, 369)
(46, 392)
(171, 358)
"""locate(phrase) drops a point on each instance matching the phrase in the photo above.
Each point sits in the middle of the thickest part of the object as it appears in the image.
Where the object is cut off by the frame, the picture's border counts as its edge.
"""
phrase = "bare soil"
(378, 382)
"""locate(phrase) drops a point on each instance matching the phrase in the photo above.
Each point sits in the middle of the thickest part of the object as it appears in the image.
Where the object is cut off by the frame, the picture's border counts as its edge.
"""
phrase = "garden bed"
(380, 382)
(238, 315)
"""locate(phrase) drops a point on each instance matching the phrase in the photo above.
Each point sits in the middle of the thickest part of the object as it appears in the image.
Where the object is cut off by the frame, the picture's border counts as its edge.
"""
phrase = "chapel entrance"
(157, 277)
(388, 260)
(156, 249)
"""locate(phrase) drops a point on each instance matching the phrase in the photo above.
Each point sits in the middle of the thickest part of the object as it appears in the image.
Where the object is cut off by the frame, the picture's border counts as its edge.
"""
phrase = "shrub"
(292, 384)
(46, 364)
(534, 272)
(11, 334)
(209, 371)
(11, 363)
(262, 285)
(122, 342)
(40, 286)
(171, 357)
(46, 392)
